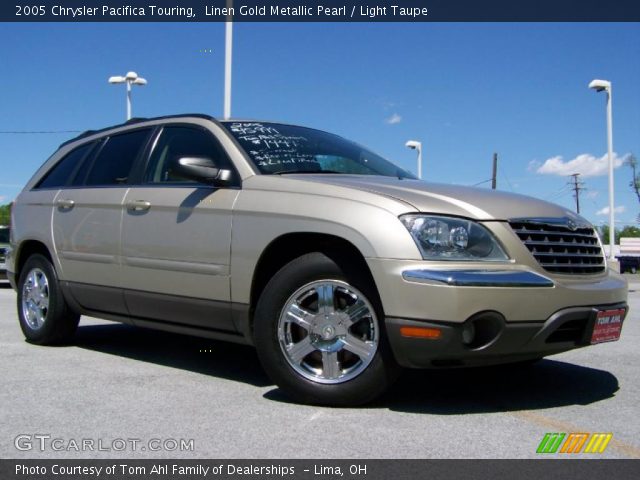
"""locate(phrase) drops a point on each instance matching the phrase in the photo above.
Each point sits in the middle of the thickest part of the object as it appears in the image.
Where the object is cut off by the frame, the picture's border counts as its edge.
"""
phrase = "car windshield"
(280, 149)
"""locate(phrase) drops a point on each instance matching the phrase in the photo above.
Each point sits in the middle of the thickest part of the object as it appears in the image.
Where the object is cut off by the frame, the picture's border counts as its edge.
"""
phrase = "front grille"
(559, 248)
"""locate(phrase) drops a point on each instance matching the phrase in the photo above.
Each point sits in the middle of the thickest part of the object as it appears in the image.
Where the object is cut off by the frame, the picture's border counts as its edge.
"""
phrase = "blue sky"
(464, 90)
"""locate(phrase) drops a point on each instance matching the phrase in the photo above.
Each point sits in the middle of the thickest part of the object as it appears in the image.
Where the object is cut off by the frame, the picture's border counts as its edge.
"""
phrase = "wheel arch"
(25, 250)
(290, 246)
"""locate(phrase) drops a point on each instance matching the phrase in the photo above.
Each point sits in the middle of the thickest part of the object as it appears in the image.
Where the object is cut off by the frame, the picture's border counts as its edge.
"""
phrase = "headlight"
(448, 238)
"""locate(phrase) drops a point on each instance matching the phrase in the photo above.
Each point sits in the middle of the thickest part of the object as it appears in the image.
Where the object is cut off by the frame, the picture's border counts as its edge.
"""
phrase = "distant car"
(629, 264)
(4, 247)
(338, 266)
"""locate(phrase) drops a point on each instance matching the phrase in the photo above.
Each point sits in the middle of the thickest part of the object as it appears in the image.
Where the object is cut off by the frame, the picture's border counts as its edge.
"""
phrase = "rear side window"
(113, 164)
(62, 171)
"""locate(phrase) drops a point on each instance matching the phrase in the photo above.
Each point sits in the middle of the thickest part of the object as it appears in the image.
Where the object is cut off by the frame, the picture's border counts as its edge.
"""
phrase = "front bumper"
(510, 342)
(429, 291)
(524, 313)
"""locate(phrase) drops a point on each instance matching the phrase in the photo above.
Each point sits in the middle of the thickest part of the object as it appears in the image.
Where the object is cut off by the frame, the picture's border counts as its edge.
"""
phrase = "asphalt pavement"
(125, 392)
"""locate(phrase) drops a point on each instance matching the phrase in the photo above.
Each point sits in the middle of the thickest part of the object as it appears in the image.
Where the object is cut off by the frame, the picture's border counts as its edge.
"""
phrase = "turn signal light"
(421, 332)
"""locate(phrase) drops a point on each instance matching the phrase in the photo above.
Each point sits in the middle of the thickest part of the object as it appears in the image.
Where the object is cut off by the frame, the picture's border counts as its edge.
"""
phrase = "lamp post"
(131, 78)
(228, 50)
(415, 145)
(599, 86)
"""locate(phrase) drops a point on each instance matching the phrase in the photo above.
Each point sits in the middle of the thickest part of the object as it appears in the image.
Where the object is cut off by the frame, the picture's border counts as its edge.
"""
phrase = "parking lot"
(119, 382)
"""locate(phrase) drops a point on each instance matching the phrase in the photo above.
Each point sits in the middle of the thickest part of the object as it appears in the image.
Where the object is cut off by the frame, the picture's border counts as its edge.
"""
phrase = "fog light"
(482, 330)
(468, 333)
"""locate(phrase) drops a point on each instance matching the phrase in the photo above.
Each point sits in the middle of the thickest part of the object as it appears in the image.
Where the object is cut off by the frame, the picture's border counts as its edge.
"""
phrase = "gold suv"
(336, 264)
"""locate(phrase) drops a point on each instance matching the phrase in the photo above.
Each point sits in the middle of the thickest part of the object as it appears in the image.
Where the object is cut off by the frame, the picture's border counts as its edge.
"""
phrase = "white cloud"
(605, 210)
(393, 119)
(586, 165)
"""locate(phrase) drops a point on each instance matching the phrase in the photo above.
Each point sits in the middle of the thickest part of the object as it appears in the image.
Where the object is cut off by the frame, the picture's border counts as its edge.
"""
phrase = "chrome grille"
(560, 246)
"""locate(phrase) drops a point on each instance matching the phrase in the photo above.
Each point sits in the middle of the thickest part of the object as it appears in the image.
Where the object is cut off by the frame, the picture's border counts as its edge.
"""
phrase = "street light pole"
(415, 145)
(131, 78)
(612, 224)
(228, 49)
(599, 86)
(128, 100)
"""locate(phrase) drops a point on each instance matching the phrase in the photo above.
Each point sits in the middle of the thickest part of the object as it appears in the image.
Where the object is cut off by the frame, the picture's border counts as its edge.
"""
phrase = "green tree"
(629, 231)
(5, 214)
(604, 235)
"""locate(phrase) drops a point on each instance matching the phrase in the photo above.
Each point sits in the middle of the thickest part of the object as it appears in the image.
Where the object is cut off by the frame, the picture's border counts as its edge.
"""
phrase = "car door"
(87, 220)
(176, 236)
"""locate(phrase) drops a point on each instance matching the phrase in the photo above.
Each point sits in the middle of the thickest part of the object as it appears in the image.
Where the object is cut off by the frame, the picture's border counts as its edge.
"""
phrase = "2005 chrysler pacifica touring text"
(337, 265)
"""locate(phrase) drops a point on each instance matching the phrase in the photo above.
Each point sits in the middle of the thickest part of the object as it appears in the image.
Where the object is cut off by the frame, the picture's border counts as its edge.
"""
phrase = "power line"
(558, 193)
(480, 183)
(501, 171)
(27, 132)
(576, 186)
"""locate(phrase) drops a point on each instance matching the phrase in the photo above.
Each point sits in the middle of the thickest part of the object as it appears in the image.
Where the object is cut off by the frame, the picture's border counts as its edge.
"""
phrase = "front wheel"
(45, 318)
(319, 333)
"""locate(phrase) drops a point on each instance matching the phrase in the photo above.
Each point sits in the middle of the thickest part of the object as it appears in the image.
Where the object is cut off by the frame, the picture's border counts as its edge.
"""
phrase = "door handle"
(65, 204)
(138, 205)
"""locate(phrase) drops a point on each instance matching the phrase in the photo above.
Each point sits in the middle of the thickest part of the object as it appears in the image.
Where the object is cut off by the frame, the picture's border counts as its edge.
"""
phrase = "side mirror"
(201, 169)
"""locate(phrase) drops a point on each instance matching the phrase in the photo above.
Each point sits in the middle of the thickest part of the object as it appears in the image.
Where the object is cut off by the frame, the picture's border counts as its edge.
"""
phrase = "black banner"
(320, 11)
(320, 469)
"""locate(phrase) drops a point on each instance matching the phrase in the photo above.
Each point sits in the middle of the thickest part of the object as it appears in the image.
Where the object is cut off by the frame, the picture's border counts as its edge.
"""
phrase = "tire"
(319, 333)
(45, 318)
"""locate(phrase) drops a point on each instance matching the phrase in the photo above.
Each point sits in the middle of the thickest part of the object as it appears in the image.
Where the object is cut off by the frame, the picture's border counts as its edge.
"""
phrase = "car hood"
(477, 203)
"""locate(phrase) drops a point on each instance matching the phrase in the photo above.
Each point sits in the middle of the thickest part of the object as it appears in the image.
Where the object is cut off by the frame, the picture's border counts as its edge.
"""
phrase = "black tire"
(56, 323)
(378, 370)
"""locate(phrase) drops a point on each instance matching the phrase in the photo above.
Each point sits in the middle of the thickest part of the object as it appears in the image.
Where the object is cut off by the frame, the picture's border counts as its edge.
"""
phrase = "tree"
(604, 235)
(629, 231)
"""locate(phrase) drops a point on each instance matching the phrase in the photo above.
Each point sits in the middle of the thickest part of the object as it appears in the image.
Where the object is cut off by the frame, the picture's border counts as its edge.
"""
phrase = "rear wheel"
(45, 318)
(319, 332)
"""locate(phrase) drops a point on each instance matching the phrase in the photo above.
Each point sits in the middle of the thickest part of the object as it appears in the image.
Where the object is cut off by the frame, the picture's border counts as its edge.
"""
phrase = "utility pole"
(495, 171)
(577, 185)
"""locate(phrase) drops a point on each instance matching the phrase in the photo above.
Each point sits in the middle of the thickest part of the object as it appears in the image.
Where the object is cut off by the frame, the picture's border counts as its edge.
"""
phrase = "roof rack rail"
(133, 121)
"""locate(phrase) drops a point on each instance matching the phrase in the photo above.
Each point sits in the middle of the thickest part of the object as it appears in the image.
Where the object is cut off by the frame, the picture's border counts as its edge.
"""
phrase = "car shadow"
(546, 384)
(200, 355)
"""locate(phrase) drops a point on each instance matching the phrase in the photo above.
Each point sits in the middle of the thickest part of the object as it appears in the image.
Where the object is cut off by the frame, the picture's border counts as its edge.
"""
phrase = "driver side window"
(182, 141)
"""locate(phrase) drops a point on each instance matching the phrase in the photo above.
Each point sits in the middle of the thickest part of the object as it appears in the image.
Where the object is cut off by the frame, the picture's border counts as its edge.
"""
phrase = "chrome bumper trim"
(478, 278)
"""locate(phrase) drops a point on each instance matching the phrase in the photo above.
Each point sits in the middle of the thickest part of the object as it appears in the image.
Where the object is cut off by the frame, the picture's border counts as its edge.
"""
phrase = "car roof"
(134, 121)
(137, 120)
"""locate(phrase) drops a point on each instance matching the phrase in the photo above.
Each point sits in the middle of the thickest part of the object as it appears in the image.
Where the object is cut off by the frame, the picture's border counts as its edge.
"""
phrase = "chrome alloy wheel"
(328, 331)
(35, 299)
